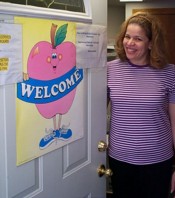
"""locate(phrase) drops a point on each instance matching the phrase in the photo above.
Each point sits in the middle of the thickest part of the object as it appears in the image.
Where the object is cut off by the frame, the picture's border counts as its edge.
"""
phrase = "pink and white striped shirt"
(140, 131)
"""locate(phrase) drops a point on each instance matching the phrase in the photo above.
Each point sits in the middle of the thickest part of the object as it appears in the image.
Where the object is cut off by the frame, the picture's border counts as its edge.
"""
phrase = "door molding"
(32, 11)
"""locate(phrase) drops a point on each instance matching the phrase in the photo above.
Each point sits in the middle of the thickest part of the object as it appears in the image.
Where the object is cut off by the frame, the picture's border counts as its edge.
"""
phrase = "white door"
(68, 172)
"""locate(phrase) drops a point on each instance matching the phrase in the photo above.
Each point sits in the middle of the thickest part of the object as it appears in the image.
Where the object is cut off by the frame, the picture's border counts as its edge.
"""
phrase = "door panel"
(69, 172)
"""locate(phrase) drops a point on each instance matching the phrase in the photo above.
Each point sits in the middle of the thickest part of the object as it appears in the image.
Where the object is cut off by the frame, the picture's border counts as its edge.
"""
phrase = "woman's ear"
(150, 46)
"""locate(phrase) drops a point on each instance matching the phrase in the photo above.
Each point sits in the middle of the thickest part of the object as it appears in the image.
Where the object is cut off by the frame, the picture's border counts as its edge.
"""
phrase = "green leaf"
(60, 34)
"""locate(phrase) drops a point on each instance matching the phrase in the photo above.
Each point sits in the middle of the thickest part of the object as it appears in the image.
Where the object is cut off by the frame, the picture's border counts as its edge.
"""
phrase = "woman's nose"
(131, 41)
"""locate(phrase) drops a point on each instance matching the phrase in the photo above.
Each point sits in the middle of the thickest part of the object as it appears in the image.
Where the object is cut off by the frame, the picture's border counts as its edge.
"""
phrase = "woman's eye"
(138, 39)
(127, 37)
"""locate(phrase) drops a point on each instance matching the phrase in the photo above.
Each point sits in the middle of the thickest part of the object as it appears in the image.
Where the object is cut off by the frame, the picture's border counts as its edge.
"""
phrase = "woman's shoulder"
(169, 68)
(116, 61)
(170, 65)
(168, 71)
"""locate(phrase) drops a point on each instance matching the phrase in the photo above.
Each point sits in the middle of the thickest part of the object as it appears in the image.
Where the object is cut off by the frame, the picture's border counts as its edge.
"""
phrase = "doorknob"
(101, 170)
(102, 146)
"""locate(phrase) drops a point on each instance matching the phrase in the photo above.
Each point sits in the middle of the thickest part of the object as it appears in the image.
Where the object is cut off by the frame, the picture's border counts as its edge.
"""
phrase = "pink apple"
(48, 61)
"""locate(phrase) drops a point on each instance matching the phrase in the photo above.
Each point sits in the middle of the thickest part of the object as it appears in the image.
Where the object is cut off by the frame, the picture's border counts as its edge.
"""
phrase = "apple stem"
(52, 34)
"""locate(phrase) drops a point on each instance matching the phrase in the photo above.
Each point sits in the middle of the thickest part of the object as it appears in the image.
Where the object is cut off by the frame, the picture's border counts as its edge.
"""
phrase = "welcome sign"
(40, 92)
(51, 90)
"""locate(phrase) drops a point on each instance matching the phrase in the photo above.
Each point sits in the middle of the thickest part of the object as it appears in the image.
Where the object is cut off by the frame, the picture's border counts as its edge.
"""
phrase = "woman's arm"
(172, 120)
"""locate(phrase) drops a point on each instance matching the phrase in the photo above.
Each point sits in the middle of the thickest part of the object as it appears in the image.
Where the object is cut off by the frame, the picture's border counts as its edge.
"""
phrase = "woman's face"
(136, 44)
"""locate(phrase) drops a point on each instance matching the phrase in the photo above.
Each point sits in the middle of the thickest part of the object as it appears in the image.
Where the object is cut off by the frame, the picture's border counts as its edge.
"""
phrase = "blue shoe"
(48, 139)
(62, 134)
(65, 134)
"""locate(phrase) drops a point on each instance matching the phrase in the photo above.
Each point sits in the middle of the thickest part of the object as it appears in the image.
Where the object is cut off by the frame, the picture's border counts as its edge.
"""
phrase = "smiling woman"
(140, 89)
(73, 5)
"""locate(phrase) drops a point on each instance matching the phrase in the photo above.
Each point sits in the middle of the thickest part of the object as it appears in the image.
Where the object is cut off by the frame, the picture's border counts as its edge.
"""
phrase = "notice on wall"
(10, 53)
(91, 46)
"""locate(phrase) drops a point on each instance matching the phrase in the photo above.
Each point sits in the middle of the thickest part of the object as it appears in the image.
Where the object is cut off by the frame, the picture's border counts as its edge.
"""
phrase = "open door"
(70, 171)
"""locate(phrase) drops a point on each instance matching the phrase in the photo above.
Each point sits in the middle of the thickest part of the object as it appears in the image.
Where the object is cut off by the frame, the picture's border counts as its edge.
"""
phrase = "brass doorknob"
(102, 146)
(101, 170)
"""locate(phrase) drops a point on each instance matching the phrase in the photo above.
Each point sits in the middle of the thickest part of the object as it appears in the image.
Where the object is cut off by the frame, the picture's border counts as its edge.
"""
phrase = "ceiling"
(114, 3)
(118, 3)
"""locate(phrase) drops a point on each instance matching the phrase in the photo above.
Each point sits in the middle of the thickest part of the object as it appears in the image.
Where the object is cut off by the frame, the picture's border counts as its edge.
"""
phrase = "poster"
(51, 90)
(10, 53)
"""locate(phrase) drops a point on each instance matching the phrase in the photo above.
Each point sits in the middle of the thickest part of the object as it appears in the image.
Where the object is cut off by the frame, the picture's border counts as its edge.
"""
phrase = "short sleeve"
(172, 87)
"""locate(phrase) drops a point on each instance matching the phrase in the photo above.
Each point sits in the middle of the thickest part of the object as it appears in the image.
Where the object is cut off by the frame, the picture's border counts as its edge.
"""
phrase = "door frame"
(32, 11)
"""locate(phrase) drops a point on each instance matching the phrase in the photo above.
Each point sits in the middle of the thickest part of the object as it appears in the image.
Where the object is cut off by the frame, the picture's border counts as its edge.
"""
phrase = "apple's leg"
(59, 121)
(54, 122)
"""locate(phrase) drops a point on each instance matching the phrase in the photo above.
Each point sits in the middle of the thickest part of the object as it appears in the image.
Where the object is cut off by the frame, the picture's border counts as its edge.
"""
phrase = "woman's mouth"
(130, 50)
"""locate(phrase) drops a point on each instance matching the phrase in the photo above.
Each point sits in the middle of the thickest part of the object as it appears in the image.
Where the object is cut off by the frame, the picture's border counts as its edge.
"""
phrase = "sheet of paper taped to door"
(91, 46)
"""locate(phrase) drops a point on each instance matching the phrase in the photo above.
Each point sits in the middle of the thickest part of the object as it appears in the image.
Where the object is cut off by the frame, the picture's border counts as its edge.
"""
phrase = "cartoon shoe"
(65, 133)
(48, 139)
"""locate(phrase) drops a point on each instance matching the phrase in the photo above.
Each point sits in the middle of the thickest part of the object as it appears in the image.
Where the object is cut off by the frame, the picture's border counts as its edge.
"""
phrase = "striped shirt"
(140, 130)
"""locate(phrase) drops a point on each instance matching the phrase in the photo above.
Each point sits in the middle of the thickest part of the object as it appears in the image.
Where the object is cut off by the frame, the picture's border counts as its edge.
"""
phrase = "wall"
(158, 4)
(116, 15)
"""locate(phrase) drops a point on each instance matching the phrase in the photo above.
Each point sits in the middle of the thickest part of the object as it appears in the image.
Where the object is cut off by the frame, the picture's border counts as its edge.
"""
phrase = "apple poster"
(51, 99)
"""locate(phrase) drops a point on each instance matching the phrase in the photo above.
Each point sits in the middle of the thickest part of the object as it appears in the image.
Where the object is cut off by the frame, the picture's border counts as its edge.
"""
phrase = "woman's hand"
(173, 184)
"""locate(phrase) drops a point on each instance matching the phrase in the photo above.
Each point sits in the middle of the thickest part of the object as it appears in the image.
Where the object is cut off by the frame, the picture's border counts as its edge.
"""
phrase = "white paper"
(91, 46)
(10, 53)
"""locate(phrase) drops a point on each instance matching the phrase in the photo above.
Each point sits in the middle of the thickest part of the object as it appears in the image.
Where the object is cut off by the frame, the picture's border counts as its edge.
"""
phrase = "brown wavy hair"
(158, 57)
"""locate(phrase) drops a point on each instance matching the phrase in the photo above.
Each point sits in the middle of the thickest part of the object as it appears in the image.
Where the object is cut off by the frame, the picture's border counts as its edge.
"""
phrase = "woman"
(141, 88)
